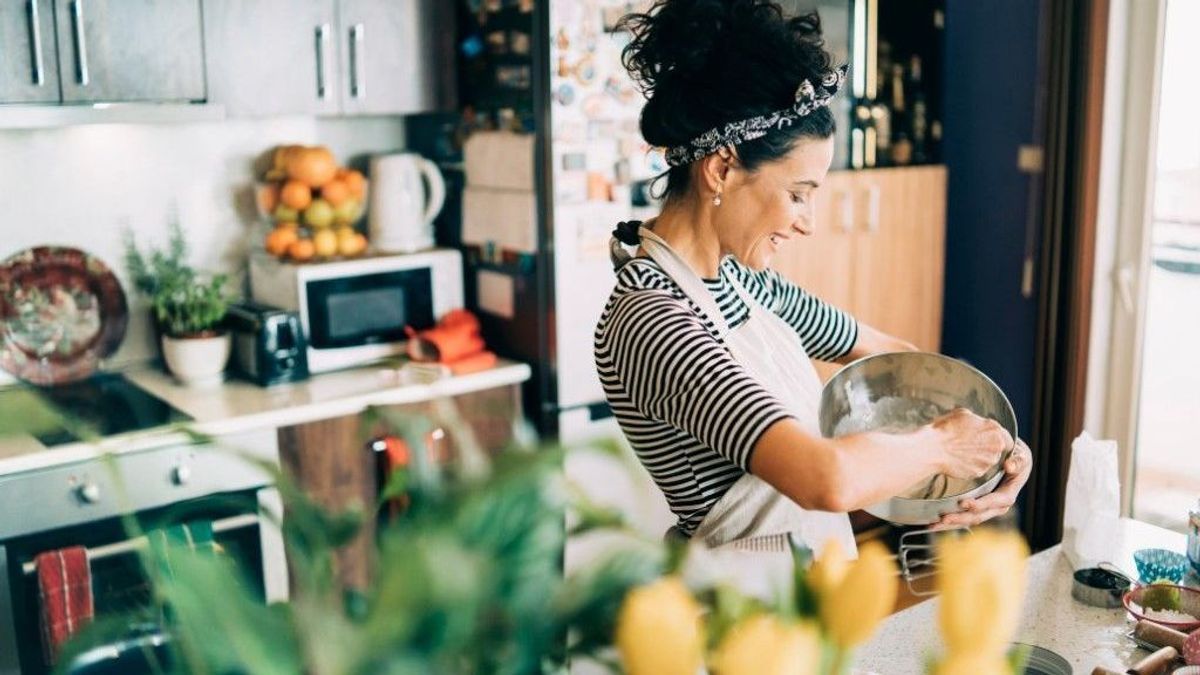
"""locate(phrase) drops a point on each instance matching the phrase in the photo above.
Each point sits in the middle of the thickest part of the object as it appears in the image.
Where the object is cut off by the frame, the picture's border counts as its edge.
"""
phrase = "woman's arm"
(855, 471)
(871, 341)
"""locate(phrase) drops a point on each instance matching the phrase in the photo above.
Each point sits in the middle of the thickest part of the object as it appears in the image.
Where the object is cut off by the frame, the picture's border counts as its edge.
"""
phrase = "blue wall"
(990, 78)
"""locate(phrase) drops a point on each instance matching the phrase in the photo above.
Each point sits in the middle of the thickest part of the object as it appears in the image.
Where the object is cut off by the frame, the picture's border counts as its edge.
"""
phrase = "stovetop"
(104, 405)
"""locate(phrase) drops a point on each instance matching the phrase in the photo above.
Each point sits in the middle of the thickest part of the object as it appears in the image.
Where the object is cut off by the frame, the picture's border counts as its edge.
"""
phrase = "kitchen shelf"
(47, 117)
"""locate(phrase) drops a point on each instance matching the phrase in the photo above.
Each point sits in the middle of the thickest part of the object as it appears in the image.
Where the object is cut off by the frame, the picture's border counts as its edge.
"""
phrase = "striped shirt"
(691, 412)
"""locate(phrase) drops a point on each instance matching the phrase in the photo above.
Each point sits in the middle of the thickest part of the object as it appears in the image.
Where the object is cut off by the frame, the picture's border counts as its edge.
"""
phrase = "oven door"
(86, 504)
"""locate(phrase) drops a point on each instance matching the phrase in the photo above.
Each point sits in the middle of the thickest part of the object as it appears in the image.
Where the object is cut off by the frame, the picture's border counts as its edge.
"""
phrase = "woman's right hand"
(971, 445)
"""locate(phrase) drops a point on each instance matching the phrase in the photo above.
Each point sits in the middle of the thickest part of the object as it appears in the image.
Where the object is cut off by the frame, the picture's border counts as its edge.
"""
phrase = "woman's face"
(761, 210)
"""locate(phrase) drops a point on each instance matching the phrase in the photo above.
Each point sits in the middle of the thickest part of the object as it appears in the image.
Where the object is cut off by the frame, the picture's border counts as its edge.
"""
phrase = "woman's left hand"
(998, 503)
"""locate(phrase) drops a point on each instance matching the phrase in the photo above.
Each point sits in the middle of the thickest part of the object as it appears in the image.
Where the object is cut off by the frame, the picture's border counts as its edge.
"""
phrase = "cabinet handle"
(873, 204)
(35, 35)
(358, 51)
(322, 46)
(81, 60)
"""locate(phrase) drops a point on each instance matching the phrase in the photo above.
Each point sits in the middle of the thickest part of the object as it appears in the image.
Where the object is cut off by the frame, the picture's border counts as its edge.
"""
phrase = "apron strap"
(687, 279)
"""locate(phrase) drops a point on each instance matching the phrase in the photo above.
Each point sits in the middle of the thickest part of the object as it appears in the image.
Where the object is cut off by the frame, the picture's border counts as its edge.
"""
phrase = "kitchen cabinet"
(879, 250)
(130, 50)
(28, 56)
(352, 57)
(272, 57)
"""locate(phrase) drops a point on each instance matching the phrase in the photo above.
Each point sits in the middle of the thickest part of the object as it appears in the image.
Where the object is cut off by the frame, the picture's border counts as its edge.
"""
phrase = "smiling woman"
(704, 352)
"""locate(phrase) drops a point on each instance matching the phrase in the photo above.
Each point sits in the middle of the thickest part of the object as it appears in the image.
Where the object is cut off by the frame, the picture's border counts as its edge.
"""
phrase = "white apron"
(753, 518)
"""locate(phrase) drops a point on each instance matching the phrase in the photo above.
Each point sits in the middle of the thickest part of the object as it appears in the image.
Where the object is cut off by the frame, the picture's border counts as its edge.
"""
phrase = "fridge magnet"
(574, 161)
(612, 15)
(564, 94)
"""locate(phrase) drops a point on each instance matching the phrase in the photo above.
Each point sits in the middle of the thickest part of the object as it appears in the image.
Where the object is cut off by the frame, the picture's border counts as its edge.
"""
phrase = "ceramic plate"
(61, 311)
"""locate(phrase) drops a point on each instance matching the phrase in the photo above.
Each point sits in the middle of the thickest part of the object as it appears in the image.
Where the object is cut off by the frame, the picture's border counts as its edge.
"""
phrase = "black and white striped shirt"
(691, 412)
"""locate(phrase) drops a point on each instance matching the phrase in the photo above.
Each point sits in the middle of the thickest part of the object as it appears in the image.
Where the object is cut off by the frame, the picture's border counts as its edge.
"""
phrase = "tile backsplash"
(82, 186)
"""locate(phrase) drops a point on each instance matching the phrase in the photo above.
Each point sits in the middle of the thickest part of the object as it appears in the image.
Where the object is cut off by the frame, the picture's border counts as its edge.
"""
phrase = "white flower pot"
(197, 361)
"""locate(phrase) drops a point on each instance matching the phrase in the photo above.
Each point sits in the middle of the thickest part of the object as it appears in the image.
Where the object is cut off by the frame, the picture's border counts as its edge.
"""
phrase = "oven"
(86, 503)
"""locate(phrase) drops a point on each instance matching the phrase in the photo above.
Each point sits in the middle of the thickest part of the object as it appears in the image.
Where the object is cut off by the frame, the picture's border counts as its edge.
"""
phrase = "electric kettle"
(407, 193)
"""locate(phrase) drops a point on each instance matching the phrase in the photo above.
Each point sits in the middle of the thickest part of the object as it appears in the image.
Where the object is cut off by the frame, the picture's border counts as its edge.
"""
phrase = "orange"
(301, 250)
(350, 242)
(295, 195)
(335, 191)
(312, 166)
(356, 182)
(281, 238)
(325, 243)
(268, 197)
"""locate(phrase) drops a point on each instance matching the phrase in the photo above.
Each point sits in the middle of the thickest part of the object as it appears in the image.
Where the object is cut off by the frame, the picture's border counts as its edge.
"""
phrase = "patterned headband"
(808, 99)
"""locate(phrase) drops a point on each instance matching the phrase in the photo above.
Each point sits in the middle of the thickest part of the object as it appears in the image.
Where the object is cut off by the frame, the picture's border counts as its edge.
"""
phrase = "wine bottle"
(919, 122)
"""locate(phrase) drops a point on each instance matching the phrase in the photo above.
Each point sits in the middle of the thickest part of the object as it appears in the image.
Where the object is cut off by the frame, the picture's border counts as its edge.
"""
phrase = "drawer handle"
(81, 58)
(358, 52)
(35, 38)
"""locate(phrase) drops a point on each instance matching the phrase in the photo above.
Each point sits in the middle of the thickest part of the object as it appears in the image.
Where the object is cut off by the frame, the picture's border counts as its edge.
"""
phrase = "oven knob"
(181, 474)
(89, 493)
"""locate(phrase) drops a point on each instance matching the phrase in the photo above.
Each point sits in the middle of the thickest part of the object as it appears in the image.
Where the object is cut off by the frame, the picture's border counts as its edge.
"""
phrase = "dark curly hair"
(704, 63)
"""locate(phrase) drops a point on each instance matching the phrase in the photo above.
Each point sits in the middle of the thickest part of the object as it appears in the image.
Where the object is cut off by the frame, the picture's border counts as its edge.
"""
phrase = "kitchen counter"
(237, 407)
(1084, 636)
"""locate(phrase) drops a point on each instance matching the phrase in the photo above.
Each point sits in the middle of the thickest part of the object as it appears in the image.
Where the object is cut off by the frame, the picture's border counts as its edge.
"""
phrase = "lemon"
(659, 630)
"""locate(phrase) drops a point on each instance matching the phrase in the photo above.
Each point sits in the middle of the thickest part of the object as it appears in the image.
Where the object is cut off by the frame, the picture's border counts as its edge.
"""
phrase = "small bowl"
(1189, 603)
(1154, 564)
(1099, 587)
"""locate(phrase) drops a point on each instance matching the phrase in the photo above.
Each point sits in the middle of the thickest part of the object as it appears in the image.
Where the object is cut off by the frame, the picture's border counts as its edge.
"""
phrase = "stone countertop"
(1085, 636)
(237, 407)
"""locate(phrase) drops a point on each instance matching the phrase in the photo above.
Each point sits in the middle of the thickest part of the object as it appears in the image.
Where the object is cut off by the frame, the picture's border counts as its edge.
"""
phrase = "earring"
(717, 198)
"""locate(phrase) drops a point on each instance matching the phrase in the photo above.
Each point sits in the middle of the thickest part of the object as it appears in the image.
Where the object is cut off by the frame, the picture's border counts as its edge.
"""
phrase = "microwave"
(359, 310)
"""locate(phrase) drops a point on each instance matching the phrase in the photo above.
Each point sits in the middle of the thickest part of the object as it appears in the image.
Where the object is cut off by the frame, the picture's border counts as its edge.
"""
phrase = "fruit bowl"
(310, 206)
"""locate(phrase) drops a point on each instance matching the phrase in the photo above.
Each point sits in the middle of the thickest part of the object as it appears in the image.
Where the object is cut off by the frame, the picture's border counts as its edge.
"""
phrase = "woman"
(703, 351)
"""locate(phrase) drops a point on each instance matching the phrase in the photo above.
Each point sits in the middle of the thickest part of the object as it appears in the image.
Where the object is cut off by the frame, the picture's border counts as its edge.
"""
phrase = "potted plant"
(188, 306)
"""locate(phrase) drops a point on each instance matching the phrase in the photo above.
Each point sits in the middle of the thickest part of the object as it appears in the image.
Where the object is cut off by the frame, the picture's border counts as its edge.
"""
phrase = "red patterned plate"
(61, 311)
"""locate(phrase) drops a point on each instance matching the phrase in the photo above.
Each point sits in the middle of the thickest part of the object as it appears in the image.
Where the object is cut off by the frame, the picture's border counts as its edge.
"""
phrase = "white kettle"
(407, 193)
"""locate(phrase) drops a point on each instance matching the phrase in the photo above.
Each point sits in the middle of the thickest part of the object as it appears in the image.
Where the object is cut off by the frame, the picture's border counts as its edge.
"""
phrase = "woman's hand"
(975, 511)
(971, 444)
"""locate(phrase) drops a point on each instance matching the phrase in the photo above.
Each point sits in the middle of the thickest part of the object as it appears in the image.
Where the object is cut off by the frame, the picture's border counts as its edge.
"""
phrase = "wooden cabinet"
(328, 57)
(879, 250)
(130, 50)
(28, 56)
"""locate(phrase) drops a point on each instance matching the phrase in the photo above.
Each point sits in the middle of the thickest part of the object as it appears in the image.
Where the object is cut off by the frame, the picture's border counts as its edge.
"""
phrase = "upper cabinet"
(28, 56)
(273, 57)
(367, 57)
(130, 50)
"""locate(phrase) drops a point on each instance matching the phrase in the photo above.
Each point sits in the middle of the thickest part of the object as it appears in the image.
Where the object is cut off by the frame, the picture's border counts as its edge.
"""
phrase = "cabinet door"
(28, 55)
(388, 56)
(130, 50)
(900, 252)
(272, 57)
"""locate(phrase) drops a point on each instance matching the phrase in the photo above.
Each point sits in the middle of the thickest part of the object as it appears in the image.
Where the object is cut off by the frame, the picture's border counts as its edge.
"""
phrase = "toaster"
(268, 343)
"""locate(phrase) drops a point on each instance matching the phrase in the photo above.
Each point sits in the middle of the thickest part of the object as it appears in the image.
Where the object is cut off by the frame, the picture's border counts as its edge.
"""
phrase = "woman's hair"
(705, 63)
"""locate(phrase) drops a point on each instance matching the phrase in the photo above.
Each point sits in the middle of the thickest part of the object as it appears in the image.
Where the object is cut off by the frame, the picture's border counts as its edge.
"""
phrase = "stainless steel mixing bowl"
(900, 392)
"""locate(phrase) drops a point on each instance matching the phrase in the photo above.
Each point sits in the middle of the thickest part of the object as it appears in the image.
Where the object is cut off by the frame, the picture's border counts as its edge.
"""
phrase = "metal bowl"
(905, 390)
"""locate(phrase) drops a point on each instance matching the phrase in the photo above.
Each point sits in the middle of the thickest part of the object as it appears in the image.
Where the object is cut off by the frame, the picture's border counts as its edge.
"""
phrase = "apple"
(319, 214)
(284, 214)
(347, 212)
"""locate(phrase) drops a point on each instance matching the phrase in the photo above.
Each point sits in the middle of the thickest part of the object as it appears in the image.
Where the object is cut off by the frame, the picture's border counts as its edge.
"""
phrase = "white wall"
(82, 186)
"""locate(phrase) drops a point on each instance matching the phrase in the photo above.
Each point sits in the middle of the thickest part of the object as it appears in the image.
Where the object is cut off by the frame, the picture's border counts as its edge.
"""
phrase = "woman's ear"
(714, 170)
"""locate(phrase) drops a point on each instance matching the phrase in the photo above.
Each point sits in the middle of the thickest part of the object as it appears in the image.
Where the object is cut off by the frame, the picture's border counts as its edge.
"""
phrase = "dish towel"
(65, 594)
(170, 542)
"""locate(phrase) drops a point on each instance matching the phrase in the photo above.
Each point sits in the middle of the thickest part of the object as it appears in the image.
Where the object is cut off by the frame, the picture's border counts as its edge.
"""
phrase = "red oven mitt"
(65, 593)
(454, 341)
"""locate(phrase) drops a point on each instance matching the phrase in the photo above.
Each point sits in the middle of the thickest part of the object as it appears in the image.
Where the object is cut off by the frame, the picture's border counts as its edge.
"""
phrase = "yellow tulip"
(660, 630)
(852, 610)
(981, 581)
(828, 570)
(764, 644)
(974, 664)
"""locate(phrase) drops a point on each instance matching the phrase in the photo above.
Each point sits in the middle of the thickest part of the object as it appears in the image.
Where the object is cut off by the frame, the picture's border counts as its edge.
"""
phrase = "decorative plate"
(61, 311)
